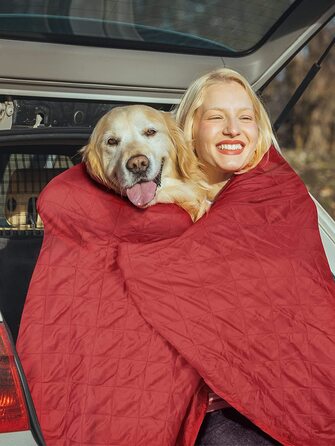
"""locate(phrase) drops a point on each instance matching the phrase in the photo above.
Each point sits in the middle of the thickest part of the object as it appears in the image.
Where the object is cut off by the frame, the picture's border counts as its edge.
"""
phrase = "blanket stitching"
(208, 235)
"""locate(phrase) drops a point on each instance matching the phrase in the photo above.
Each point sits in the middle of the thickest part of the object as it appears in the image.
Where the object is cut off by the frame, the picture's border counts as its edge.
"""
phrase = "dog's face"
(129, 150)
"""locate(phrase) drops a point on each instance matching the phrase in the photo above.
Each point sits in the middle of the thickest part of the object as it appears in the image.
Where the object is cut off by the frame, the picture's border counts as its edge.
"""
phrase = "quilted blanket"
(99, 374)
(246, 296)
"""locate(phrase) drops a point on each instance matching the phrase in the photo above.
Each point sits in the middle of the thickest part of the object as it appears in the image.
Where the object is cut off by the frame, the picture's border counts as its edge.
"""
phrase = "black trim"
(301, 88)
(62, 141)
(78, 116)
(264, 86)
(53, 136)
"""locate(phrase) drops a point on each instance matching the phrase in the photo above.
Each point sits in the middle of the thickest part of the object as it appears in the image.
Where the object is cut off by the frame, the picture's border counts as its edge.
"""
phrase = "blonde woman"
(229, 129)
(245, 295)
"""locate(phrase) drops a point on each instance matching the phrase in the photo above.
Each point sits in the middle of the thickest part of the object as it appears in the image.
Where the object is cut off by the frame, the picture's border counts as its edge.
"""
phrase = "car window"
(307, 137)
(213, 26)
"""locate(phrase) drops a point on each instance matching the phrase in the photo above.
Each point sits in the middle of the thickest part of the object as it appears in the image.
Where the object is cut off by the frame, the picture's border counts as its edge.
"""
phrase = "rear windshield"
(189, 26)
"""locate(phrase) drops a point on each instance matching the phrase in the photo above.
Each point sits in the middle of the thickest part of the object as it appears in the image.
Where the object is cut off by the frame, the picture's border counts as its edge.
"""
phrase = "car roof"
(38, 61)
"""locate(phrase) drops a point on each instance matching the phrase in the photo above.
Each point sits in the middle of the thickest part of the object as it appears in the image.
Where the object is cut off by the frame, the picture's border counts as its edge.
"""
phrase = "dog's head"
(134, 149)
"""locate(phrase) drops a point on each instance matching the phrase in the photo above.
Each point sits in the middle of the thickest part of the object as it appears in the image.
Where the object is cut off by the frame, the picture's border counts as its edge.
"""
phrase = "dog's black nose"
(137, 164)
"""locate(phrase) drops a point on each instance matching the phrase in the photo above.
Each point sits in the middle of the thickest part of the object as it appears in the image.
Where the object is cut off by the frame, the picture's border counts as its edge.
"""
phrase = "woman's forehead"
(226, 94)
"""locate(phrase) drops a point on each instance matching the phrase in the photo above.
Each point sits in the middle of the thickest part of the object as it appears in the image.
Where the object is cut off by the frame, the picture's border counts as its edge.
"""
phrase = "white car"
(63, 65)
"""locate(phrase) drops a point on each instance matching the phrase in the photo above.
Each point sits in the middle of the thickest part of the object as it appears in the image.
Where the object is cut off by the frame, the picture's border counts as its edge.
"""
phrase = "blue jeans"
(227, 427)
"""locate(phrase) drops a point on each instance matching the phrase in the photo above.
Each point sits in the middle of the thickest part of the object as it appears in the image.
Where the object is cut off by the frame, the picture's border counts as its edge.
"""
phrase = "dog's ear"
(92, 157)
(187, 162)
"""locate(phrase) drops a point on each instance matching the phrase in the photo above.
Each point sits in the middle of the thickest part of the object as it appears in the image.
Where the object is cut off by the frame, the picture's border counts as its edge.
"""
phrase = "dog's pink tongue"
(142, 193)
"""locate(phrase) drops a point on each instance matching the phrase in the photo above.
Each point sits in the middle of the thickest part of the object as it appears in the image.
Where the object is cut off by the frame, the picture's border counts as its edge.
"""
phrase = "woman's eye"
(150, 132)
(113, 141)
(246, 118)
(214, 117)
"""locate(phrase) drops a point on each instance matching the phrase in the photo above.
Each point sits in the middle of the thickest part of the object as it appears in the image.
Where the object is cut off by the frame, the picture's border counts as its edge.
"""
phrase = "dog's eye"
(150, 132)
(113, 141)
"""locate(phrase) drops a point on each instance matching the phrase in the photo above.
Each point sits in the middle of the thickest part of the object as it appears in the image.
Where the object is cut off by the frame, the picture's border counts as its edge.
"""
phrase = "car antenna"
(301, 88)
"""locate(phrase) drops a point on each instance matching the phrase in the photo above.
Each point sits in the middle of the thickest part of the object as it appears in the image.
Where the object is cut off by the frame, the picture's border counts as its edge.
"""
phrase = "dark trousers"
(227, 427)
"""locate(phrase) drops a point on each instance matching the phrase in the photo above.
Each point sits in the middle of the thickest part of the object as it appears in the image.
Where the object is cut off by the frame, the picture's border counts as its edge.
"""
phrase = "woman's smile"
(230, 147)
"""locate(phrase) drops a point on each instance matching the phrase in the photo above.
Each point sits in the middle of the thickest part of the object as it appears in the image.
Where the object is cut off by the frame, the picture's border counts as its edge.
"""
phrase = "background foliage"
(307, 138)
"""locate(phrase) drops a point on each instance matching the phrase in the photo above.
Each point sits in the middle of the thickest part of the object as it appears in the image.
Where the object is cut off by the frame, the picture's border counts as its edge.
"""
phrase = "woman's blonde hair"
(193, 99)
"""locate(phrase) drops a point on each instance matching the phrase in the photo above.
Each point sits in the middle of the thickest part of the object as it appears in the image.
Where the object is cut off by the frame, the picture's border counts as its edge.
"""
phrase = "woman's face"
(225, 130)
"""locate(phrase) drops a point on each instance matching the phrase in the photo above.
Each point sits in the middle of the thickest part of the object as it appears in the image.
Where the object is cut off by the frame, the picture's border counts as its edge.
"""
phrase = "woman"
(222, 126)
(246, 294)
(225, 116)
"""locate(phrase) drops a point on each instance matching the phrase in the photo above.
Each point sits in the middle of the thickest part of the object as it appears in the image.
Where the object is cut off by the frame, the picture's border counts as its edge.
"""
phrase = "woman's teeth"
(229, 147)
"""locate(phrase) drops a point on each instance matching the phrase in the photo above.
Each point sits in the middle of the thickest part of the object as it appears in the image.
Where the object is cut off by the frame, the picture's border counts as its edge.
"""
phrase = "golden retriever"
(139, 152)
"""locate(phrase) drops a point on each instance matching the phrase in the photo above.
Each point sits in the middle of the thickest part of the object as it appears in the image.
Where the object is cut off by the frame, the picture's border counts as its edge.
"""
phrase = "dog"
(139, 152)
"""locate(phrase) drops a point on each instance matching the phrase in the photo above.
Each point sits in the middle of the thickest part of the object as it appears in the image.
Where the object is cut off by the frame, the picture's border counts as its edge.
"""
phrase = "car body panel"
(22, 438)
(327, 233)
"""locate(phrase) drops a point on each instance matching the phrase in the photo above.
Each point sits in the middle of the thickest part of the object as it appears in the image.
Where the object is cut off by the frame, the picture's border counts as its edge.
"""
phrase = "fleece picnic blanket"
(246, 296)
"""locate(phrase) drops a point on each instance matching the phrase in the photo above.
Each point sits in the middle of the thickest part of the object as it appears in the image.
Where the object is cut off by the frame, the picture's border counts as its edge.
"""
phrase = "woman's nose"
(231, 127)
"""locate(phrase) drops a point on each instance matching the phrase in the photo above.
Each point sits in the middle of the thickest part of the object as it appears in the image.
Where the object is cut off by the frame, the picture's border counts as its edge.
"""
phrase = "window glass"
(222, 25)
(307, 138)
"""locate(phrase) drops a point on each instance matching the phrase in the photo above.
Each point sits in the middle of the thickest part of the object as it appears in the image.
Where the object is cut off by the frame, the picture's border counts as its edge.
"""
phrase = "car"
(65, 64)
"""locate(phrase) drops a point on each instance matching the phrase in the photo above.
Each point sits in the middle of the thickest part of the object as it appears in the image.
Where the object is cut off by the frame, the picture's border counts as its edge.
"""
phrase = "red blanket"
(247, 297)
(98, 373)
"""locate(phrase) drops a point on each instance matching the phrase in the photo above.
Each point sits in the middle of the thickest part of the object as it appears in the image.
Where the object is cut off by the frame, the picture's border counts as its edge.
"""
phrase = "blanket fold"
(99, 374)
(246, 296)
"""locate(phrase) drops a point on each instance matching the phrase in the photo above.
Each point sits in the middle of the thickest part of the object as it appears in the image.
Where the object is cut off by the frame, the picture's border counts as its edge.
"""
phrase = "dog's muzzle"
(144, 191)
